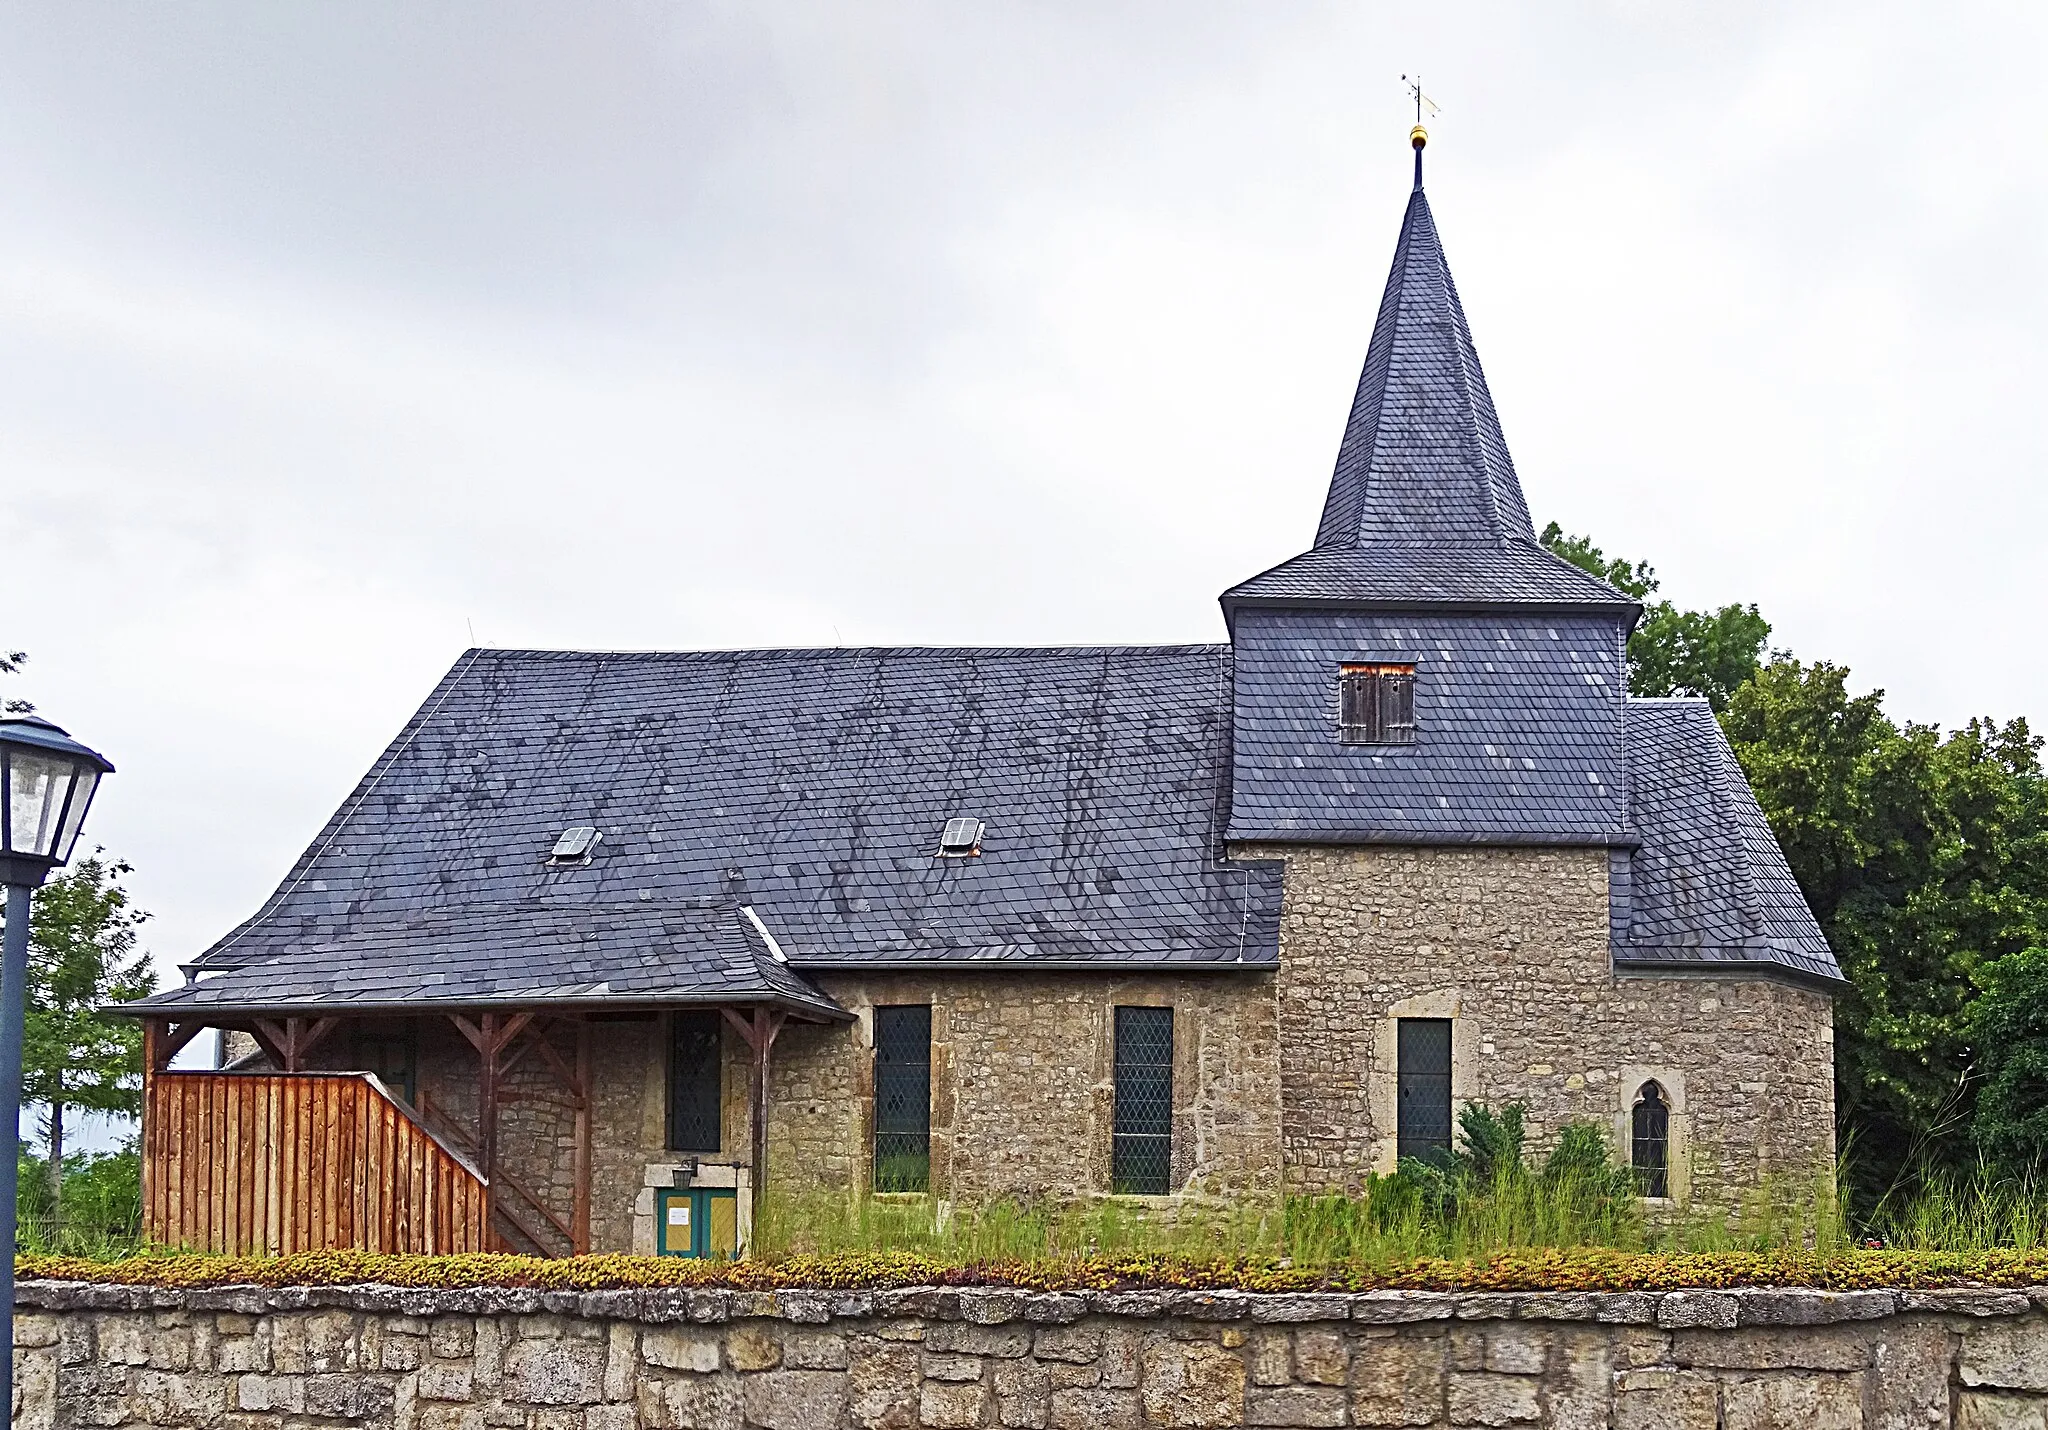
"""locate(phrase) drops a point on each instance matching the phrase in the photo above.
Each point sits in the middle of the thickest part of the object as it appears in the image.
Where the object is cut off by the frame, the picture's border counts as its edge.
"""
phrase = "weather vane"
(1414, 84)
(1418, 136)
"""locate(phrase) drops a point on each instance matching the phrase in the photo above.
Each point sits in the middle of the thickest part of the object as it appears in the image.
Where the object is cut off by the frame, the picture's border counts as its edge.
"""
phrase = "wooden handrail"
(505, 1179)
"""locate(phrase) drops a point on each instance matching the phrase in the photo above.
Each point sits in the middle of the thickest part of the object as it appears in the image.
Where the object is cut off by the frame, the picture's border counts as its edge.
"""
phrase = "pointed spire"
(1424, 507)
(1423, 460)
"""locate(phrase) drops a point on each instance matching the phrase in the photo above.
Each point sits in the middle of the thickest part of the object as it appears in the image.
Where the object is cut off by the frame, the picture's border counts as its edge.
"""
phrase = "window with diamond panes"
(1423, 1120)
(1649, 1142)
(695, 1082)
(903, 1099)
(1376, 704)
(1141, 1148)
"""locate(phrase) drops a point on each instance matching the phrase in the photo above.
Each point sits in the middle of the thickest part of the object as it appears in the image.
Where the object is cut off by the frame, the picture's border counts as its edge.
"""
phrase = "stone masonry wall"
(1022, 1085)
(936, 1359)
(1512, 944)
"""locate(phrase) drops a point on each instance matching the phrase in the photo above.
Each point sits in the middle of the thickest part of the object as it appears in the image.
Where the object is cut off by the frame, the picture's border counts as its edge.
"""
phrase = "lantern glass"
(47, 780)
(83, 783)
(38, 791)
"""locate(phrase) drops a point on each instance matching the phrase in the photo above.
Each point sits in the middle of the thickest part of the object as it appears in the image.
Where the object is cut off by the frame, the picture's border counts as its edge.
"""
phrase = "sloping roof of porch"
(673, 952)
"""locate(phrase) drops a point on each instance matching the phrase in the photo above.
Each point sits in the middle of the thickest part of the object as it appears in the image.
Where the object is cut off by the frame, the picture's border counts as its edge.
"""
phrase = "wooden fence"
(275, 1163)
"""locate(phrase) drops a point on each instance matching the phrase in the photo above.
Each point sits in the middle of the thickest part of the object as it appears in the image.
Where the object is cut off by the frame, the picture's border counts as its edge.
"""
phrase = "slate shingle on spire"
(1423, 460)
(1424, 507)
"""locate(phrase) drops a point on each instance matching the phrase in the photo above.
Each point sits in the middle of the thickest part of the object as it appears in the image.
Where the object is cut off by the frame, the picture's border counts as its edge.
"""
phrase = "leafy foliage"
(11, 662)
(2009, 1025)
(1925, 858)
(1674, 652)
(82, 956)
(101, 1213)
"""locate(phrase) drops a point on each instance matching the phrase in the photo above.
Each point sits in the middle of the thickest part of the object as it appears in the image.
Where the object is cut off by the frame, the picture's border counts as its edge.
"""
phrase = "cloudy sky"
(333, 338)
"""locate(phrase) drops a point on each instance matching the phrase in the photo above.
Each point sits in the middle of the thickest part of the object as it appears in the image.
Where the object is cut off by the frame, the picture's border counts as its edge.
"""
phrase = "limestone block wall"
(1512, 944)
(1022, 1082)
(947, 1359)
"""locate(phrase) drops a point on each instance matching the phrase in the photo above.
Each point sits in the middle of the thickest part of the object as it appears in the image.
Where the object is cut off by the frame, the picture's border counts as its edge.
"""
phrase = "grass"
(1483, 1218)
(101, 1215)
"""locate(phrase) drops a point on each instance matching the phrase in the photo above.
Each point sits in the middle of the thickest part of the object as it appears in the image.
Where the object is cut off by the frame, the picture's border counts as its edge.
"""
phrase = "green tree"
(1674, 652)
(2009, 1027)
(1924, 857)
(11, 662)
(82, 956)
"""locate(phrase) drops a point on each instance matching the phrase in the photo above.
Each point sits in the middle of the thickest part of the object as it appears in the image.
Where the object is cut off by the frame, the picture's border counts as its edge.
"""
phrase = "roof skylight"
(961, 839)
(574, 846)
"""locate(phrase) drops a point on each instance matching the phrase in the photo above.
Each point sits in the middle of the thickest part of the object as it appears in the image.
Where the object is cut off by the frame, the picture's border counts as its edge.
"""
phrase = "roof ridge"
(827, 652)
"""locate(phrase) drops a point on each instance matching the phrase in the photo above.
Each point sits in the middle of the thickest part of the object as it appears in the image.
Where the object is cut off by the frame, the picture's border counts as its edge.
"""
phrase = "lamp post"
(47, 781)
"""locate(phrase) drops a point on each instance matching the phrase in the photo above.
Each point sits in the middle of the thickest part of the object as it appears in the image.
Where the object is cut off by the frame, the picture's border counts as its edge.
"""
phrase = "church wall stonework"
(1512, 943)
(1022, 1085)
(1282, 1080)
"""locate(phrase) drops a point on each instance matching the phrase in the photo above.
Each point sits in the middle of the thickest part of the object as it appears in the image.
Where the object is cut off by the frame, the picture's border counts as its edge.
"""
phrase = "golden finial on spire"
(1418, 136)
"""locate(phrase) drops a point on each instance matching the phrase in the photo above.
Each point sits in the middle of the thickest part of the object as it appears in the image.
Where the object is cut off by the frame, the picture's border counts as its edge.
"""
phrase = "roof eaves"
(169, 1004)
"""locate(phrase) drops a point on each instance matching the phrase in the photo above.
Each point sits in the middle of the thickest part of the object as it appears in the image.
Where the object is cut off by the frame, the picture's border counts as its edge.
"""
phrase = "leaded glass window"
(1649, 1141)
(903, 1099)
(1424, 1076)
(1141, 1148)
(695, 1082)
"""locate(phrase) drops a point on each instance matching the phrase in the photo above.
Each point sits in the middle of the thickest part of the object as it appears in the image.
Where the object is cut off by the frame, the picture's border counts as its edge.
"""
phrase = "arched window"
(1649, 1142)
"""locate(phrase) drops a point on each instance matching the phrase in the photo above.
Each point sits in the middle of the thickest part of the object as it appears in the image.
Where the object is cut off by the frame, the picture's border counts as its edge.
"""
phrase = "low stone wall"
(807, 1360)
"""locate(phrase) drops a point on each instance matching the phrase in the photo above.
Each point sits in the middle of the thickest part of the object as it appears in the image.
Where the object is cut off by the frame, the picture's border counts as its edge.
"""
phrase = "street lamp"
(47, 781)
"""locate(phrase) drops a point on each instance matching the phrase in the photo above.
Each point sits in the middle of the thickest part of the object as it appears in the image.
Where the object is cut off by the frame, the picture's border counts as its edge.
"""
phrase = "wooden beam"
(289, 1043)
(488, 1045)
(165, 1040)
(579, 1217)
(468, 1030)
(759, 1033)
(312, 1032)
(271, 1039)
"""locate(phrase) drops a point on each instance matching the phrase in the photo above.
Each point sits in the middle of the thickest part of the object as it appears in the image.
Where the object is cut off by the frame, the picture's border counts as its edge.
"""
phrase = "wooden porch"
(301, 1157)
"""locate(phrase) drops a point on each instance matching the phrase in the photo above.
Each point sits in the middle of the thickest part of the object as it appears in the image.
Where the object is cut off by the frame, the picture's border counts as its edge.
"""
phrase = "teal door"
(697, 1221)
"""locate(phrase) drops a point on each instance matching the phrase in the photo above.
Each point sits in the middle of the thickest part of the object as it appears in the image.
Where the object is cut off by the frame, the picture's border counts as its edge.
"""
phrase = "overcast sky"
(331, 334)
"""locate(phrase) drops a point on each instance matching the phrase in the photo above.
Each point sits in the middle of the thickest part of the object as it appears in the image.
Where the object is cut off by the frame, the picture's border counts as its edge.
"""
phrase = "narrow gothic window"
(695, 1093)
(1649, 1142)
(1376, 704)
(1142, 1145)
(903, 1099)
(1423, 1119)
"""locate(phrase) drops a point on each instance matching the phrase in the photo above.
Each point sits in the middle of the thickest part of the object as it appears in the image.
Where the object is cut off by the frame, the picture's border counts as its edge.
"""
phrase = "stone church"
(1209, 921)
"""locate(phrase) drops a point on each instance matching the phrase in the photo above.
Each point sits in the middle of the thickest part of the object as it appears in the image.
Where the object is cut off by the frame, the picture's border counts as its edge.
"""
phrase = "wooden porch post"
(759, 1033)
(489, 1035)
(579, 1217)
(487, 1116)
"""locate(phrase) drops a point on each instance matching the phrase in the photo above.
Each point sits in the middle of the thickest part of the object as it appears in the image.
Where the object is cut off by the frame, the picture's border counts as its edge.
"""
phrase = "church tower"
(1507, 881)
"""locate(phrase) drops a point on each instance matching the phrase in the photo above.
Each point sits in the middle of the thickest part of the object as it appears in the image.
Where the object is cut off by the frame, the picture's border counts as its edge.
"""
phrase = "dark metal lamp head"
(47, 781)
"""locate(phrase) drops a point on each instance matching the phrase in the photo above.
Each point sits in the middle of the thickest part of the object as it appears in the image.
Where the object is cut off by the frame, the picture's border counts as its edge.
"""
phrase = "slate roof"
(474, 955)
(1424, 507)
(757, 805)
(1709, 884)
(808, 785)
(1401, 576)
(1518, 730)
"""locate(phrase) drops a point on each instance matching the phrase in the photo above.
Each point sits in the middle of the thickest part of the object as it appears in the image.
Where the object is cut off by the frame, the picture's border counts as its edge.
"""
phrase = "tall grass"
(1976, 1212)
(1479, 1201)
(101, 1214)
